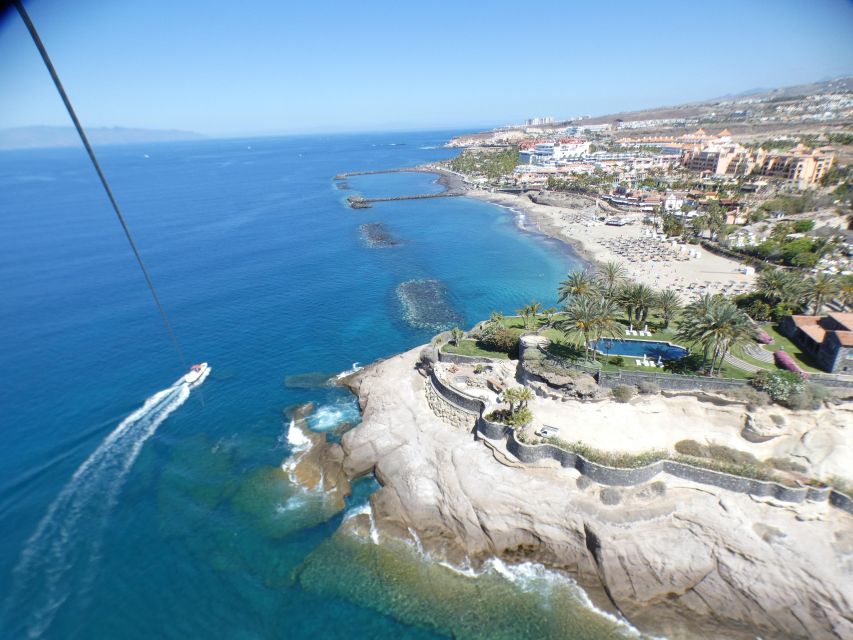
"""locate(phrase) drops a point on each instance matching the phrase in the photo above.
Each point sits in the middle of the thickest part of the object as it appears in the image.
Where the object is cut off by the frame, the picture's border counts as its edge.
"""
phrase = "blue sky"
(285, 67)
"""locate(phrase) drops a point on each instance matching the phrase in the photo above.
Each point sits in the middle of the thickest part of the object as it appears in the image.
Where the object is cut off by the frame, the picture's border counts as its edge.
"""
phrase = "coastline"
(672, 556)
(574, 224)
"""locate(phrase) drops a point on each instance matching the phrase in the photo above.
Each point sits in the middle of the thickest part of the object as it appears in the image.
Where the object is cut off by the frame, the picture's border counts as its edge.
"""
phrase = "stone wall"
(673, 382)
(456, 358)
(630, 477)
(447, 411)
(461, 400)
(474, 415)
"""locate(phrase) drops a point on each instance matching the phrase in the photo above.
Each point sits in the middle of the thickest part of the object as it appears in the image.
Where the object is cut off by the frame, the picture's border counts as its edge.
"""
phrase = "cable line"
(56, 81)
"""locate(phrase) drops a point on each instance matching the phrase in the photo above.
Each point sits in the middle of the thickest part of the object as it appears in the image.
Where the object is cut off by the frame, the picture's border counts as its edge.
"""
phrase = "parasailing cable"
(56, 81)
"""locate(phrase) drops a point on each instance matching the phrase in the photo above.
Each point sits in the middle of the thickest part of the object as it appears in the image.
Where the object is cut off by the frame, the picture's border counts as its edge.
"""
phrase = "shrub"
(785, 464)
(500, 338)
(722, 453)
(619, 361)
(691, 448)
(760, 311)
(758, 472)
(801, 226)
(618, 459)
(763, 337)
(479, 368)
(751, 396)
(622, 393)
(517, 418)
(779, 385)
(647, 387)
(784, 360)
(811, 396)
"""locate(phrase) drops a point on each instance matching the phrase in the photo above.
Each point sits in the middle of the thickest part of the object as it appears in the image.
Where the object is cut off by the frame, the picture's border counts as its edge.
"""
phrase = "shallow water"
(265, 275)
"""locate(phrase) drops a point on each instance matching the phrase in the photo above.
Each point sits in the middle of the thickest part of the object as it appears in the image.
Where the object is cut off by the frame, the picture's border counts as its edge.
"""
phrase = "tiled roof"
(805, 321)
(844, 319)
(815, 332)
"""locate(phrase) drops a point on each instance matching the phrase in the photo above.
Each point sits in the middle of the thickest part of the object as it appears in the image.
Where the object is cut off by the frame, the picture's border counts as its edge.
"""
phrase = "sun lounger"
(638, 362)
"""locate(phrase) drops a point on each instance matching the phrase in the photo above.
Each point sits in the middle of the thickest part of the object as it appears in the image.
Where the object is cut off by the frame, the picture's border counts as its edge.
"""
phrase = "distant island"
(44, 136)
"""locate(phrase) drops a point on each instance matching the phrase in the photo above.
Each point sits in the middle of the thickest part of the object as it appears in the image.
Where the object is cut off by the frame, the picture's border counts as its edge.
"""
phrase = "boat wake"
(59, 560)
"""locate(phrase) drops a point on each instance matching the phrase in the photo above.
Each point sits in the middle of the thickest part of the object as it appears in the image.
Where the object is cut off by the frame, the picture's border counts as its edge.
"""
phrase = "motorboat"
(196, 375)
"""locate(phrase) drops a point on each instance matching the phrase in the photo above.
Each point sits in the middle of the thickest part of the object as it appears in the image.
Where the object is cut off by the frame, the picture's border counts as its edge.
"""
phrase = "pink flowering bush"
(784, 360)
(764, 338)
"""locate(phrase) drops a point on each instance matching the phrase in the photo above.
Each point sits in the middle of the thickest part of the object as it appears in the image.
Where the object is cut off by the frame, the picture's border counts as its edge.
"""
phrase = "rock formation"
(672, 556)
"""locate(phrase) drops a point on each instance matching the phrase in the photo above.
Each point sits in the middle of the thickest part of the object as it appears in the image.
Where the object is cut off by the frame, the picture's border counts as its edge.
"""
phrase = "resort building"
(722, 157)
(801, 164)
(828, 339)
(552, 152)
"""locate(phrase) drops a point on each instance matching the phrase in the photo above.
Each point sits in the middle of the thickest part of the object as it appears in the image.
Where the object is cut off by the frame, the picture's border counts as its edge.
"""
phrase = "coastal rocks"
(667, 555)
(376, 235)
(426, 305)
(316, 464)
(536, 368)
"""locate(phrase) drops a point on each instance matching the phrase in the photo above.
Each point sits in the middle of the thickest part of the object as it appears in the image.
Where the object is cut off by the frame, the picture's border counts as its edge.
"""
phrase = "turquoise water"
(652, 349)
(181, 523)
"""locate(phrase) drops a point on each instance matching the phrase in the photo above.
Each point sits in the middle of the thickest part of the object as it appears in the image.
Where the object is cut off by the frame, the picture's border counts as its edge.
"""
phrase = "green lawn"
(654, 322)
(471, 348)
(782, 342)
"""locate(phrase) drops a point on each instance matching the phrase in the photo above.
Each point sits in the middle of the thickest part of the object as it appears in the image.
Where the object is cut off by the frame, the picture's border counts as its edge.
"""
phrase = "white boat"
(196, 375)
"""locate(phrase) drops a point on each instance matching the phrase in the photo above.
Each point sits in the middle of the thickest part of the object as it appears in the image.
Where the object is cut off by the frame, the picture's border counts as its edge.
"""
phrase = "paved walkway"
(759, 353)
(740, 364)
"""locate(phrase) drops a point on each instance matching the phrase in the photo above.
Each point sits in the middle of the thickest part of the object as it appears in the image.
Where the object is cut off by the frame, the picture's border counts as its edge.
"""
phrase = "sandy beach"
(647, 259)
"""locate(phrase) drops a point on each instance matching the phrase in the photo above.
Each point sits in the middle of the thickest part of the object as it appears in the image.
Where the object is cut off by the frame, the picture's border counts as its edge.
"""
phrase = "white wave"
(365, 509)
(429, 147)
(69, 536)
(328, 417)
(532, 576)
(355, 368)
(296, 437)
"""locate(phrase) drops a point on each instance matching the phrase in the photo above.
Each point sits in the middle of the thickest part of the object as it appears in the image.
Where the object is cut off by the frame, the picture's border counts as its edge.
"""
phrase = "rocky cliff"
(673, 557)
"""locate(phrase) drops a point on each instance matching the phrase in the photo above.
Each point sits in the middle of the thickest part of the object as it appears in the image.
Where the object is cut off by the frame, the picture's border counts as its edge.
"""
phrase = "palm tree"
(693, 320)
(523, 396)
(820, 288)
(717, 324)
(534, 308)
(588, 319)
(517, 398)
(578, 284)
(456, 335)
(611, 274)
(845, 289)
(669, 303)
(639, 299)
(781, 287)
(524, 312)
(549, 314)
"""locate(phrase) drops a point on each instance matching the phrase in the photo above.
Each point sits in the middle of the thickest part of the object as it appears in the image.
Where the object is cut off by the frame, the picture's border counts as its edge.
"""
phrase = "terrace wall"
(672, 382)
(472, 411)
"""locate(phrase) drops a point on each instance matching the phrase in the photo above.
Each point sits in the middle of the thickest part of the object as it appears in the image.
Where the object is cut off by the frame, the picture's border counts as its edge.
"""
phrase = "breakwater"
(357, 202)
(376, 172)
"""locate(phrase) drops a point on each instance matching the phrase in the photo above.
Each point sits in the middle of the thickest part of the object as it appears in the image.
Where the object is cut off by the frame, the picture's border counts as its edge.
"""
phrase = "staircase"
(740, 364)
(759, 353)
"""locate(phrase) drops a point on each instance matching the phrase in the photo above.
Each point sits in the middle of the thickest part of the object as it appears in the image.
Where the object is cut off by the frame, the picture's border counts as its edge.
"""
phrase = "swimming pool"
(651, 349)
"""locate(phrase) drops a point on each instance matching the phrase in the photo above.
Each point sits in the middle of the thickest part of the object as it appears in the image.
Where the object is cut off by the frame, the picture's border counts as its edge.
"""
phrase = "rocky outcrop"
(672, 556)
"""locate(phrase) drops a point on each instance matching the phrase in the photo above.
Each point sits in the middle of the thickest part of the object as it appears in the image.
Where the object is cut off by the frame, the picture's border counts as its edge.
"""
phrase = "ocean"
(130, 508)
